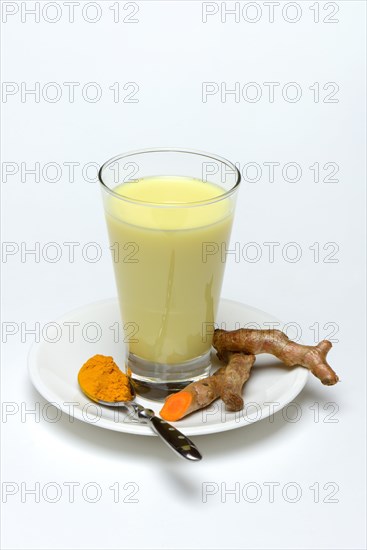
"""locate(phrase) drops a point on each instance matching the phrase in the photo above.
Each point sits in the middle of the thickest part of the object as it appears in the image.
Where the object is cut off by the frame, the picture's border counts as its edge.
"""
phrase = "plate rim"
(141, 429)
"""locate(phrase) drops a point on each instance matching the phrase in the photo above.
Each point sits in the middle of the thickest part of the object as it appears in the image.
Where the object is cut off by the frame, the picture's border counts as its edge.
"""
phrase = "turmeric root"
(238, 348)
(277, 343)
(226, 382)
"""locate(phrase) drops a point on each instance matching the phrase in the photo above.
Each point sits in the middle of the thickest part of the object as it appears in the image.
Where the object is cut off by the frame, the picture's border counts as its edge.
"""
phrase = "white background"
(169, 53)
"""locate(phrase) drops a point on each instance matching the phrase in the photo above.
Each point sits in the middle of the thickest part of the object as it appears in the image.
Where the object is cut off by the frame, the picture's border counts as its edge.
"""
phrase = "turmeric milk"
(168, 263)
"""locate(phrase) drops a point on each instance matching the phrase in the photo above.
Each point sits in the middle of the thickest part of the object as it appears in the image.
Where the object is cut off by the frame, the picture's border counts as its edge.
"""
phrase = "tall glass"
(169, 215)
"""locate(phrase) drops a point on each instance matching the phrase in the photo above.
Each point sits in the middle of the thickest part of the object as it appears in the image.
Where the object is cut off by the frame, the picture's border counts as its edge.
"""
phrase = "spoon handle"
(178, 442)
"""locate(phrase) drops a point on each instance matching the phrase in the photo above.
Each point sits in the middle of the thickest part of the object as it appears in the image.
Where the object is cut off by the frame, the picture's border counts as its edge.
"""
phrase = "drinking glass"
(169, 215)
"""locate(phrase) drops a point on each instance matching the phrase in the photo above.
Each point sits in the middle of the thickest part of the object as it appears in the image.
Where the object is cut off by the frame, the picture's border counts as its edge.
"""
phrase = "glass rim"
(204, 202)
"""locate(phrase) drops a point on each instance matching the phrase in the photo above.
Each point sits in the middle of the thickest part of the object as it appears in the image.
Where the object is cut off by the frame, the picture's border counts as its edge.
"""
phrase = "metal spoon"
(177, 441)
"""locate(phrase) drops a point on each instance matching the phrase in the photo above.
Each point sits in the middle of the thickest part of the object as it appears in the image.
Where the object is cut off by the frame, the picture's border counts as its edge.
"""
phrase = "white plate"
(54, 366)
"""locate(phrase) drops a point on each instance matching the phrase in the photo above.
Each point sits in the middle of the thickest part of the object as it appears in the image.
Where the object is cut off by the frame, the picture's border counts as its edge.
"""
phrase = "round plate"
(69, 341)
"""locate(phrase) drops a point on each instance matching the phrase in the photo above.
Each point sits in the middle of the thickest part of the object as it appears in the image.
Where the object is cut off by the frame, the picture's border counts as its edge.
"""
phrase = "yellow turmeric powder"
(101, 379)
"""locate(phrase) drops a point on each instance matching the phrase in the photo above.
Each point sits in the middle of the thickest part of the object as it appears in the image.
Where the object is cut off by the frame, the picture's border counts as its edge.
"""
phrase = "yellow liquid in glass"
(168, 274)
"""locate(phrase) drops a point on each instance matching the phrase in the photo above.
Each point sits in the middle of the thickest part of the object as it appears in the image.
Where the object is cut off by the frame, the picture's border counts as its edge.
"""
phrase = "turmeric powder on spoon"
(101, 379)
